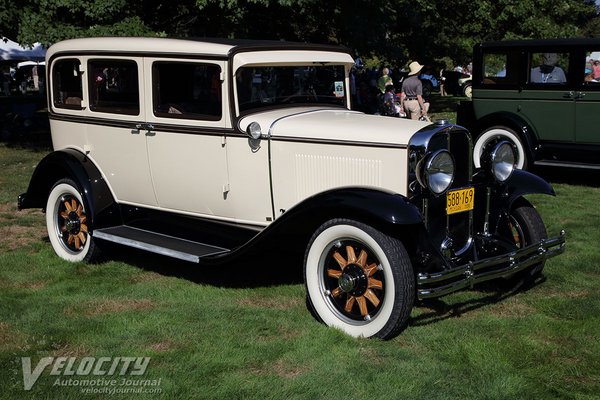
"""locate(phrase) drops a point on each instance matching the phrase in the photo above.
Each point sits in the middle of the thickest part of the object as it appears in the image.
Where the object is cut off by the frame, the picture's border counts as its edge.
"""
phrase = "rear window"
(67, 88)
(114, 86)
(495, 69)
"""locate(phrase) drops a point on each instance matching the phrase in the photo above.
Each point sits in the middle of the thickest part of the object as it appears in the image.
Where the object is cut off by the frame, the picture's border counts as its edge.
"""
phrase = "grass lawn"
(244, 332)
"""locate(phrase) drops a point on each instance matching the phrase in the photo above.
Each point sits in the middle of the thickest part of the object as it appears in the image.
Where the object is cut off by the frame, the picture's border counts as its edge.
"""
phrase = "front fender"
(385, 211)
(523, 182)
(70, 163)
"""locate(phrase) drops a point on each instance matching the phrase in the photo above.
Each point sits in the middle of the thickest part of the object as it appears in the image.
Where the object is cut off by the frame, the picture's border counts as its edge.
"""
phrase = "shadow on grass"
(255, 270)
(489, 293)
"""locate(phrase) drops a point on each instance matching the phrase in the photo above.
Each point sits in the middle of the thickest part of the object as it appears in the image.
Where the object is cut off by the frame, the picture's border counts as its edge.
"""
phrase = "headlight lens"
(503, 161)
(437, 171)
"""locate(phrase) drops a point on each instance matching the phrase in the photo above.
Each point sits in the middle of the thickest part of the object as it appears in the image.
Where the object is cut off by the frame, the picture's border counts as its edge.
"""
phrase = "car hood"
(338, 125)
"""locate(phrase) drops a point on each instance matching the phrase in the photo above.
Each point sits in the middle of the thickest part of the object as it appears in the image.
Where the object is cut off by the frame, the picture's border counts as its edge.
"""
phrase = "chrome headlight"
(503, 161)
(436, 171)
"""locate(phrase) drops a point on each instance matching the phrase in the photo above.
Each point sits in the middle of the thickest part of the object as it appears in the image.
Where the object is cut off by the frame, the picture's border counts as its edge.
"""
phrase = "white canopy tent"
(12, 51)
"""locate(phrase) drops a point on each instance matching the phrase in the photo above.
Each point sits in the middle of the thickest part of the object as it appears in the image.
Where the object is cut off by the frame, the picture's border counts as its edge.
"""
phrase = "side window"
(549, 68)
(66, 84)
(186, 90)
(113, 86)
(592, 67)
(495, 69)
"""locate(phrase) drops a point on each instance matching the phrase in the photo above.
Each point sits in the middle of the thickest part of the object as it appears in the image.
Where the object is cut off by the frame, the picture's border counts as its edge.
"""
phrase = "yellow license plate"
(460, 200)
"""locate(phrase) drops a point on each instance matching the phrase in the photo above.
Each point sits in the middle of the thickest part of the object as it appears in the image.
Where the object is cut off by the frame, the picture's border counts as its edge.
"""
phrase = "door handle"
(569, 95)
(146, 126)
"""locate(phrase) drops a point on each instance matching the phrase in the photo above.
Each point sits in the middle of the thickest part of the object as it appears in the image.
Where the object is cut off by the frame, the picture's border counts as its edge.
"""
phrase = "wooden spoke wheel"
(359, 279)
(68, 224)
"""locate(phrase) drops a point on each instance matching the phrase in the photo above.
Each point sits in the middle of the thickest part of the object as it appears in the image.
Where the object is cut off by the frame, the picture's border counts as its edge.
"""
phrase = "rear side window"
(187, 90)
(549, 68)
(66, 84)
(114, 87)
(496, 69)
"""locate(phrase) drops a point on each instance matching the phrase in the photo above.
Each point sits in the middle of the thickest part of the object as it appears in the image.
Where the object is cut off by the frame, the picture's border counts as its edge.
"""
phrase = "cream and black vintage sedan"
(208, 150)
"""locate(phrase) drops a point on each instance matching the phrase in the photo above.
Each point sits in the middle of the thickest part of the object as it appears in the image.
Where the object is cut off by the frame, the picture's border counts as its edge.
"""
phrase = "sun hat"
(414, 68)
(595, 56)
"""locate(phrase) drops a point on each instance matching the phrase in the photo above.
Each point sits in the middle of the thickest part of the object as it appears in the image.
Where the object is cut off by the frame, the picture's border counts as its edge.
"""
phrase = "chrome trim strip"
(516, 261)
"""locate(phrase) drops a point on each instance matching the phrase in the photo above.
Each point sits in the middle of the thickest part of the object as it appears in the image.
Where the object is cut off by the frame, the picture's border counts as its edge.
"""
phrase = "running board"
(157, 243)
(552, 163)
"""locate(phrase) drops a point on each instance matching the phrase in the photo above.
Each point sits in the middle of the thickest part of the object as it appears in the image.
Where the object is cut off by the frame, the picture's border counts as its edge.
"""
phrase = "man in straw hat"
(412, 94)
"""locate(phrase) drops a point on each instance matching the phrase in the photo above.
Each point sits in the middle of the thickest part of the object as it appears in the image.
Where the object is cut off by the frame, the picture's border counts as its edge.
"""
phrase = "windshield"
(259, 87)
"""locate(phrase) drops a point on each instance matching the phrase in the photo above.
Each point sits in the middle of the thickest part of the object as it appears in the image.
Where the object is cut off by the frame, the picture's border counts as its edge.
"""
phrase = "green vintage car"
(541, 95)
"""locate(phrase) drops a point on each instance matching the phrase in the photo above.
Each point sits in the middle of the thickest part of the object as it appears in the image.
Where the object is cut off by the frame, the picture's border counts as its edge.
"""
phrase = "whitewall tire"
(358, 279)
(68, 224)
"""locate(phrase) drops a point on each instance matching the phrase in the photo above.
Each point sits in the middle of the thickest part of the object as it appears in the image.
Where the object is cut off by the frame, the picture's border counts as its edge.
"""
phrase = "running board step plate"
(157, 243)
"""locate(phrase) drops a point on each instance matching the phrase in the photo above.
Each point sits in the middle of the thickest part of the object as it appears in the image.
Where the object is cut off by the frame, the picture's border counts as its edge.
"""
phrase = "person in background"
(412, 94)
(594, 75)
(385, 80)
(548, 72)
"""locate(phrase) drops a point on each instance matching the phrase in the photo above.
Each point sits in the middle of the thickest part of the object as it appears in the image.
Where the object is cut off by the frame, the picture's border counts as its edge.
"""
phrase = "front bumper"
(441, 283)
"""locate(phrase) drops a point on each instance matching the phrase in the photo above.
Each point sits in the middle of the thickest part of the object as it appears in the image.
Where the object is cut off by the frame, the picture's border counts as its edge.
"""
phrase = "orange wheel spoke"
(70, 239)
(349, 304)
(362, 305)
(340, 260)
(79, 210)
(82, 218)
(371, 269)
(362, 258)
(336, 292)
(372, 297)
(77, 243)
(64, 215)
(350, 254)
(375, 284)
(73, 205)
(334, 273)
(83, 228)
(82, 237)
(68, 206)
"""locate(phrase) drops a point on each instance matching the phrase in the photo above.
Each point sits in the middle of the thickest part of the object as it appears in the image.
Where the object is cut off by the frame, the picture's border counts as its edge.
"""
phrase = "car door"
(114, 102)
(185, 131)
(548, 96)
(587, 108)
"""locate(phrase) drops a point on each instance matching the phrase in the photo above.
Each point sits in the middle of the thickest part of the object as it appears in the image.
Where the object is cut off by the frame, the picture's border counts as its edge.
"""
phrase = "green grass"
(211, 336)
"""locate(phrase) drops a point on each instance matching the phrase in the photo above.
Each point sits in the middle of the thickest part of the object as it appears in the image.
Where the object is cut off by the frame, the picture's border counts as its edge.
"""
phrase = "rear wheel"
(358, 279)
(467, 90)
(68, 223)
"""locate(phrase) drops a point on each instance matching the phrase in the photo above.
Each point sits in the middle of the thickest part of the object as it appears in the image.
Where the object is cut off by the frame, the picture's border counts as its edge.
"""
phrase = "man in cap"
(548, 72)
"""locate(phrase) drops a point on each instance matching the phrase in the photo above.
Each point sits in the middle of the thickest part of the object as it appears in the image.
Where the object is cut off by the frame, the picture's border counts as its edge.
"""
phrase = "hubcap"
(354, 284)
(71, 222)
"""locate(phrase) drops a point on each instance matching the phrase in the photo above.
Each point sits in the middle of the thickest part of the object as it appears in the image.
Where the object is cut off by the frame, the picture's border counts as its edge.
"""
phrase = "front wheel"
(496, 134)
(524, 226)
(358, 279)
(68, 223)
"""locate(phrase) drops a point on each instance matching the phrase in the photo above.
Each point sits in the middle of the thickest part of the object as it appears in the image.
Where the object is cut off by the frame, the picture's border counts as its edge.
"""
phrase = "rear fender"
(69, 163)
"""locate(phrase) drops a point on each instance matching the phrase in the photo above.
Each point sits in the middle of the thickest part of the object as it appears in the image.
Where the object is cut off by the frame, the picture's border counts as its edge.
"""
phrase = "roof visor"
(291, 57)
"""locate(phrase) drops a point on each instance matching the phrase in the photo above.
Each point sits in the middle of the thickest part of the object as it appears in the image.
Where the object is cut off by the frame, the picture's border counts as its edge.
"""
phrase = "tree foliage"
(390, 31)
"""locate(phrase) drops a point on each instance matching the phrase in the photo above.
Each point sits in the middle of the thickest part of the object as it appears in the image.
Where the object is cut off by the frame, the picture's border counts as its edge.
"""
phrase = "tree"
(393, 32)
